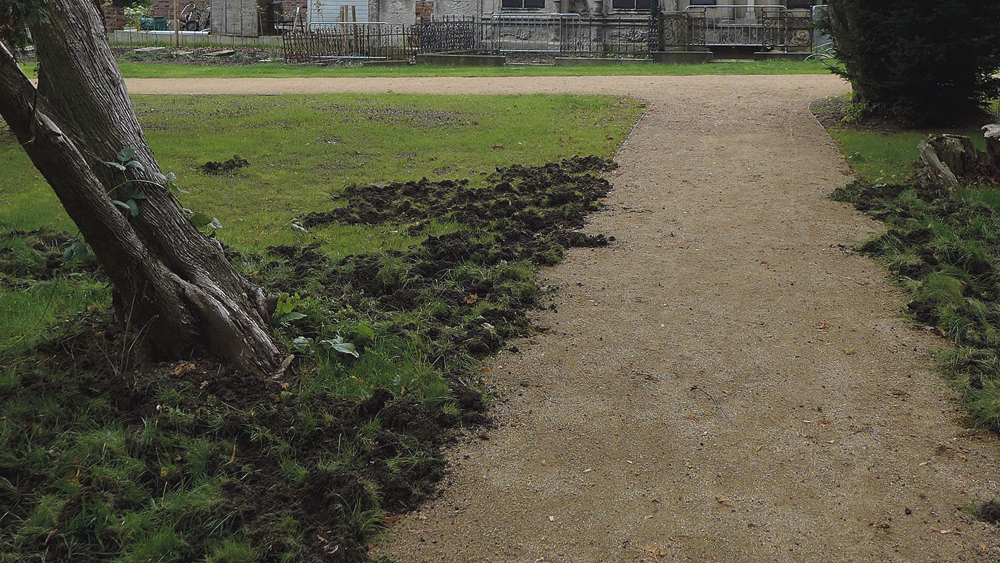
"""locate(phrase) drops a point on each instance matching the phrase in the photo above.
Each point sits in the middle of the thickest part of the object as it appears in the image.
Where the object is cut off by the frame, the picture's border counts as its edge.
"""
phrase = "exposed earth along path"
(723, 383)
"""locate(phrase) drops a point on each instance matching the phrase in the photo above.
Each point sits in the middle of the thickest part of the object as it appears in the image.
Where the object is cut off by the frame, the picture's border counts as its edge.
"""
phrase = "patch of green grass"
(944, 249)
(879, 157)
(302, 149)
(389, 319)
(878, 153)
(279, 70)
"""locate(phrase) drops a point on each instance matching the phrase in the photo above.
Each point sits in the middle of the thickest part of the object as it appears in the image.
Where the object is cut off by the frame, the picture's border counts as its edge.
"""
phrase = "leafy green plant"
(285, 309)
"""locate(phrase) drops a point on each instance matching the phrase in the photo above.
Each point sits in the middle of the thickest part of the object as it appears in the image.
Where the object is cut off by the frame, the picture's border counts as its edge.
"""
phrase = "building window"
(521, 4)
(630, 5)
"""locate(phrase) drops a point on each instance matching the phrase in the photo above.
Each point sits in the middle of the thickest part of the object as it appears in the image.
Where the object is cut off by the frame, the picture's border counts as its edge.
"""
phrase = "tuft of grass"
(944, 249)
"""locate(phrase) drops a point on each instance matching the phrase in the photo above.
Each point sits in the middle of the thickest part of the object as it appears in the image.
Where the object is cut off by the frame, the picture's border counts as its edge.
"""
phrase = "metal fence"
(568, 34)
(348, 40)
(448, 35)
(638, 36)
(740, 26)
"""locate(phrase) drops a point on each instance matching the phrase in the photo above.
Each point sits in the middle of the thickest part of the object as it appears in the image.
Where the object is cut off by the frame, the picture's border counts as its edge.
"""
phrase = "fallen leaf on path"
(724, 501)
(849, 351)
(823, 325)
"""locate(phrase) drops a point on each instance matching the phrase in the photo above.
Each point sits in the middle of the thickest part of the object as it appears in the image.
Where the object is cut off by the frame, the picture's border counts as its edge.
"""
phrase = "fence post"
(654, 26)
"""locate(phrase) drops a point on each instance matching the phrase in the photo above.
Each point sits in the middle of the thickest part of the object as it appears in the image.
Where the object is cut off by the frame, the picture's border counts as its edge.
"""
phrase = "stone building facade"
(407, 12)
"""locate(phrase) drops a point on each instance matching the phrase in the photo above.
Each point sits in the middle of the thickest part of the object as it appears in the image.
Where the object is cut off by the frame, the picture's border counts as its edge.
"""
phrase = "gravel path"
(724, 383)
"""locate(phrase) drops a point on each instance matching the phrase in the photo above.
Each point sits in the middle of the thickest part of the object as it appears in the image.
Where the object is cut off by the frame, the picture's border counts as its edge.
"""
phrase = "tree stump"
(992, 134)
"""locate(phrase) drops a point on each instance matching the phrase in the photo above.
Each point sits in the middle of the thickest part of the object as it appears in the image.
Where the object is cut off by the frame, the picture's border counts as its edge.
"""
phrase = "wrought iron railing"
(768, 27)
(607, 37)
(448, 35)
(568, 34)
(340, 40)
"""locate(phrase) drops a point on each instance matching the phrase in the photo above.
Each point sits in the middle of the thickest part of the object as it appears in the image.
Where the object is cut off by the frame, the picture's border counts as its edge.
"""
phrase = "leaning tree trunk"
(174, 286)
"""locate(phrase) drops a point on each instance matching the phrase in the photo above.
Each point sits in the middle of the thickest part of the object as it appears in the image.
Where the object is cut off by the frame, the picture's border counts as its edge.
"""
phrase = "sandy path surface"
(725, 382)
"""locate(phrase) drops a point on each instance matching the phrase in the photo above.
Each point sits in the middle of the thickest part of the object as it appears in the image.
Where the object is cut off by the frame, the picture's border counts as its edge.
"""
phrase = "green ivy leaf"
(138, 195)
(302, 345)
(289, 317)
(133, 208)
(122, 205)
(135, 164)
(365, 331)
(200, 219)
(78, 248)
(338, 345)
(115, 165)
(125, 155)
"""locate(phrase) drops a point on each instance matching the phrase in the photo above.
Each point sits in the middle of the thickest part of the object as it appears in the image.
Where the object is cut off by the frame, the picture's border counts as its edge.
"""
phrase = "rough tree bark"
(174, 286)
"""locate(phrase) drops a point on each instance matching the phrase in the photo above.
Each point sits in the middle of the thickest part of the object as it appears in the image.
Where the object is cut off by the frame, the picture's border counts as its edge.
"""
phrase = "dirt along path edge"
(727, 382)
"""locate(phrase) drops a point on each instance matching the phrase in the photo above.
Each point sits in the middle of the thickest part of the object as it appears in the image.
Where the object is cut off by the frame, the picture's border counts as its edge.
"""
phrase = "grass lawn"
(279, 70)
(942, 248)
(104, 457)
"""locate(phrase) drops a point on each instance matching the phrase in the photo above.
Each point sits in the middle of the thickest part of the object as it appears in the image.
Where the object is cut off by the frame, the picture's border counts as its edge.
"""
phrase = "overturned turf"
(944, 249)
(463, 293)
(104, 458)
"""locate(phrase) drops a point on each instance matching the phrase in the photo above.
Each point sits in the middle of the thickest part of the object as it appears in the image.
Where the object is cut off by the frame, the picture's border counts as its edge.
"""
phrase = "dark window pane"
(534, 3)
(642, 5)
(702, 2)
(510, 3)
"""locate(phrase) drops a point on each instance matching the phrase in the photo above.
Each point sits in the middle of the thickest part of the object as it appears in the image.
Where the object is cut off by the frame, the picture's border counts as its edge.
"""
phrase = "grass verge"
(390, 293)
(279, 70)
(942, 248)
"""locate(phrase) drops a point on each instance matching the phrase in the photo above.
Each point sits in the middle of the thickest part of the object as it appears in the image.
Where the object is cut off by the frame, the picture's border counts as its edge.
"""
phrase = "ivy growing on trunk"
(173, 287)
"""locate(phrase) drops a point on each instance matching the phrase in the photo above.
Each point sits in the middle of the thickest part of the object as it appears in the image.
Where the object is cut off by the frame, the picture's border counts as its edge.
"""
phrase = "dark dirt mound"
(235, 163)
(27, 257)
(472, 287)
(990, 512)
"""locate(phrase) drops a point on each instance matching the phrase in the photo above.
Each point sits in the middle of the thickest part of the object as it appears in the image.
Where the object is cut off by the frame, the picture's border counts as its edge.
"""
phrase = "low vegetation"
(401, 236)
(942, 247)
(137, 65)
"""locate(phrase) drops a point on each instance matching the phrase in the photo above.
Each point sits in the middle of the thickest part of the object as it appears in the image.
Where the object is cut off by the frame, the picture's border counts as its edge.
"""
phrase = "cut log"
(992, 134)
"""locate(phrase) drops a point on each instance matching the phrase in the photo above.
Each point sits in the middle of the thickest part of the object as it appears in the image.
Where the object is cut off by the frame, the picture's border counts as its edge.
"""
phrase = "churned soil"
(727, 381)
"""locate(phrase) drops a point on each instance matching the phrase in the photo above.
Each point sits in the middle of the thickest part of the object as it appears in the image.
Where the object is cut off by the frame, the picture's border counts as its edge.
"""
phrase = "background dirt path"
(725, 382)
